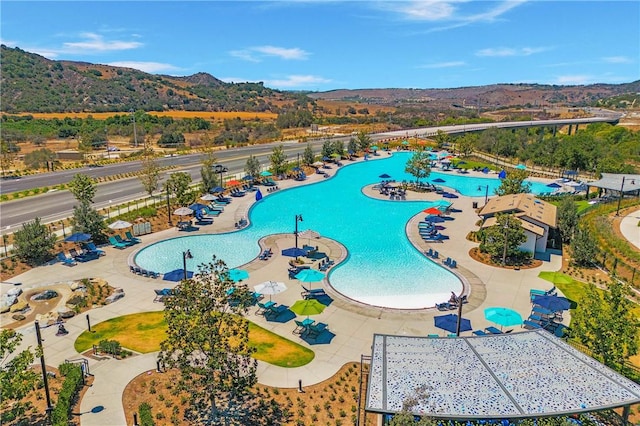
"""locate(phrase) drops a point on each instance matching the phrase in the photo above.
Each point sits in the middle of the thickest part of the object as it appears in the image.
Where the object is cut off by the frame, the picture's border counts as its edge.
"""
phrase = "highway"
(57, 205)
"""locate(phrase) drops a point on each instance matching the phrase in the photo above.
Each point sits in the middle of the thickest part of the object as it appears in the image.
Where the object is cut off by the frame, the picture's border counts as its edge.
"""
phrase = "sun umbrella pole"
(459, 301)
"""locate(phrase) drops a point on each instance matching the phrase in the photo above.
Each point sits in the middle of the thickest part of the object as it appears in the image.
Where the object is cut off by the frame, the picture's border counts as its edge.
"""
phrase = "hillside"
(32, 83)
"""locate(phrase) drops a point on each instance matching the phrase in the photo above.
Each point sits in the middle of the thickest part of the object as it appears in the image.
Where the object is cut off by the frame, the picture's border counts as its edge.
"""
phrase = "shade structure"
(521, 167)
(197, 206)
(78, 237)
(120, 224)
(270, 288)
(434, 219)
(384, 176)
(258, 195)
(309, 233)
(432, 211)
(553, 303)
(236, 275)
(309, 276)
(502, 174)
(208, 197)
(449, 195)
(266, 173)
(504, 317)
(183, 211)
(555, 277)
(374, 147)
(307, 307)
(247, 178)
(234, 182)
(294, 252)
(217, 190)
(449, 323)
(554, 185)
(439, 180)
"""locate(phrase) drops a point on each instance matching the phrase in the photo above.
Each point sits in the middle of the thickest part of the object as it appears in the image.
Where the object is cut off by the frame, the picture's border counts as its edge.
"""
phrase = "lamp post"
(186, 255)
(620, 197)
(135, 134)
(168, 206)
(45, 379)
(486, 192)
(219, 168)
(298, 219)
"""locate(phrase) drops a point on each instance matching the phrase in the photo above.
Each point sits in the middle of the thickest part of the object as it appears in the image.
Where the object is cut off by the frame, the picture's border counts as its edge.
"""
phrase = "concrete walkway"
(630, 229)
(352, 323)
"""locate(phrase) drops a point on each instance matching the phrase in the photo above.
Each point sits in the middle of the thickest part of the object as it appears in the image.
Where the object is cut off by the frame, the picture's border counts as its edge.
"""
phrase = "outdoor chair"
(116, 244)
(92, 248)
(131, 238)
(493, 330)
(315, 330)
(479, 333)
(65, 260)
(121, 241)
(300, 327)
(311, 293)
(275, 310)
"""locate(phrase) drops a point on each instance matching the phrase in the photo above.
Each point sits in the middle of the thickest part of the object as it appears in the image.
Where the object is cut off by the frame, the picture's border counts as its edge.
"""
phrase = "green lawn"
(143, 333)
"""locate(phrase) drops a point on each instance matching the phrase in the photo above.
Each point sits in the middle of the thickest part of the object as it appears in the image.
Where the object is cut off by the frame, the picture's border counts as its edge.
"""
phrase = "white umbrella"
(270, 288)
(309, 233)
(208, 197)
(183, 211)
(318, 164)
(120, 224)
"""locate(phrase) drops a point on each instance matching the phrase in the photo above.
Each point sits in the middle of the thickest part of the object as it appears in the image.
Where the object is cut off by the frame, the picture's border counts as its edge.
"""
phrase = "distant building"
(535, 216)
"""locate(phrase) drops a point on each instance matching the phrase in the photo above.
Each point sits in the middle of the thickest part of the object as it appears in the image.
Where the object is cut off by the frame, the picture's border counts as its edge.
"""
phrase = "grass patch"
(143, 333)
(577, 289)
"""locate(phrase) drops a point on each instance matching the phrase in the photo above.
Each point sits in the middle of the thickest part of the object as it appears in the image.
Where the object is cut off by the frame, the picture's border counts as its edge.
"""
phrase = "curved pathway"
(352, 324)
(630, 229)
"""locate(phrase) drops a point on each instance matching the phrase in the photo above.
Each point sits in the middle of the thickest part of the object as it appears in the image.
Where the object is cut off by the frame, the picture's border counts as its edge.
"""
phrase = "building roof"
(613, 182)
(527, 204)
(516, 375)
(532, 227)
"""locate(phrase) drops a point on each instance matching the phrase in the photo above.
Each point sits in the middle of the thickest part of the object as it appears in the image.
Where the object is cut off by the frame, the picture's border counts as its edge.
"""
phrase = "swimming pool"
(383, 268)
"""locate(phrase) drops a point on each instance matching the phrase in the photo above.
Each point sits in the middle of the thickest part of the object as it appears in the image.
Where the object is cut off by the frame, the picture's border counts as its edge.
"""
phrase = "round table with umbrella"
(307, 307)
(309, 276)
(504, 317)
(270, 288)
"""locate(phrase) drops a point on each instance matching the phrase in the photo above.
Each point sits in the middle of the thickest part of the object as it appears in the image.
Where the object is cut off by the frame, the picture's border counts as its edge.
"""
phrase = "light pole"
(135, 134)
(486, 192)
(506, 233)
(168, 206)
(43, 365)
(298, 219)
(219, 168)
(186, 255)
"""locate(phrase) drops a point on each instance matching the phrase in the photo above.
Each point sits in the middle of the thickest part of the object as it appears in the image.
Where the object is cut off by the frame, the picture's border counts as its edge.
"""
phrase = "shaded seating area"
(312, 293)
(201, 219)
(266, 254)
(273, 311)
(91, 247)
(116, 244)
(64, 260)
(162, 294)
(145, 273)
(83, 256)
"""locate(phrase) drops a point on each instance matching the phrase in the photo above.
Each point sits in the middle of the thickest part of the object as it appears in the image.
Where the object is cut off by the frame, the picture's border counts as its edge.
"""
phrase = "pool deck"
(352, 323)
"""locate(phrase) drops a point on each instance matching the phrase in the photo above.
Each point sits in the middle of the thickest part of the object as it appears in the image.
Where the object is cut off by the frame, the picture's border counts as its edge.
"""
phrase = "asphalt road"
(57, 205)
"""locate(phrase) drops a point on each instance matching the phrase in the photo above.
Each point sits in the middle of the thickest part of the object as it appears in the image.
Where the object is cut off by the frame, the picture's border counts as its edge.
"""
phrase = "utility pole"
(135, 134)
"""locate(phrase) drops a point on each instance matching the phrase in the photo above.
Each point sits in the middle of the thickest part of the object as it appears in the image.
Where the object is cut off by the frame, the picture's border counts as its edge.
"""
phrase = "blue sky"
(323, 45)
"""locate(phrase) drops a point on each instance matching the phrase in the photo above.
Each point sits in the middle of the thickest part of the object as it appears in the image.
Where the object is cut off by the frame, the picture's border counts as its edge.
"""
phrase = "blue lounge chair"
(447, 261)
(314, 330)
(121, 241)
(117, 244)
(479, 333)
(92, 248)
(493, 330)
(131, 238)
(300, 327)
(433, 336)
(312, 293)
(530, 325)
(429, 253)
(65, 260)
(453, 264)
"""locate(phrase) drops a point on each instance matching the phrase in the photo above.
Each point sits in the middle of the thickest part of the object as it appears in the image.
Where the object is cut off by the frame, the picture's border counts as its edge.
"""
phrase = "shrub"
(68, 393)
(146, 418)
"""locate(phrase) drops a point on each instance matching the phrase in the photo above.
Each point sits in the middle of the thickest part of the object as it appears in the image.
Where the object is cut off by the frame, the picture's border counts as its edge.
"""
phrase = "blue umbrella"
(554, 185)
(502, 174)
(236, 275)
(294, 252)
(217, 189)
(78, 237)
(258, 195)
(176, 275)
(521, 167)
(504, 317)
(384, 176)
(439, 180)
(553, 303)
(309, 276)
(449, 323)
(197, 206)
(247, 177)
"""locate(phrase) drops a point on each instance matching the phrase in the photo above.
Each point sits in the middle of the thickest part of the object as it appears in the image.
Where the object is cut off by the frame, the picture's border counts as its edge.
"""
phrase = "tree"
(208, 341)
(466, 144)
(252, 167)
(352, 146)
(338, 147)
(178, 185)
(567, 218)
(150, 174)
(34, 242)
(605, 323)
(502, 241)
(442, 139)
(278, 160)
(39, 158)
(87, 220)
(7, 156)
(327, 149)
(514, 183)
(419, 165)
(363, 141)
(307, 156)
(208, 174)
(17, 378)
(584, 248)
(83, 188)
(171, 139)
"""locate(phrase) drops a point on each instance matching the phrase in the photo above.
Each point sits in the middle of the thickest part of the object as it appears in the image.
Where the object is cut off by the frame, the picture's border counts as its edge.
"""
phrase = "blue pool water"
(383, 268)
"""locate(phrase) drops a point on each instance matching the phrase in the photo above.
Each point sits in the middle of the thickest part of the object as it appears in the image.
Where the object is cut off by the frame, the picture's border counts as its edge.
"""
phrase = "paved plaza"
(352, 323)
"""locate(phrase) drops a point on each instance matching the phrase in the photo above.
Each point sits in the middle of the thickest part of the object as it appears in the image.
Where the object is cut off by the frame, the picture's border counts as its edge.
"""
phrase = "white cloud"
(150, 67)
(297, 81)
(281, 52)
(245, 55)
(573, 79)
(449, 11)
(95, 42)
(617, 60)
(444, 64)
(426, 10)
(509, 51)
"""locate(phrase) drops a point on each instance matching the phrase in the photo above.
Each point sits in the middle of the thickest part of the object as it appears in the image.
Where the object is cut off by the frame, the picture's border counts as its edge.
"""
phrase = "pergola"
(615, 182)
(505, 376)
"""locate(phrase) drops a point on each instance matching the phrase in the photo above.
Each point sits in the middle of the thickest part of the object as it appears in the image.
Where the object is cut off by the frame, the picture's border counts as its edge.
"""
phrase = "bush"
(70, 387)
(146, 418)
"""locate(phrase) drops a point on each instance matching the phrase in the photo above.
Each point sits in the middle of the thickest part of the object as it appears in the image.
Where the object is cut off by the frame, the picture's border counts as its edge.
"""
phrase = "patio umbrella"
(318, 164)
(309, 276)
(504, 317)
(78, 237)
(384, 176)
(197, 206)
(234, 182)
(439, 180)
(555, 277)
(554, 185)
(217, 190)
(521, 167)
(258, 195)
(553, 303)
(309, 234)
(432, 211)
(236, 275)
(183, 211)
(120, 224)
(270, 288)
(449, 195)
(502, 174)
(266, 173)
(247, 177)
(209, 197)
(294, 252)
(307, 307)
(449, 323)
(434, 219)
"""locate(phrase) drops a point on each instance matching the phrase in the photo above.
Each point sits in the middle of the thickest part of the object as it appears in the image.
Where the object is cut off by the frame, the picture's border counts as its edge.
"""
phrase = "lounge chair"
(312, 293)
(453, 264)
(117, 244)
(162, 294)
(65, 260)
(275, 310)
(447, 261)
(530, 325)
(314, 330)
(300, 327)
(121, 241)
(82, 257)
(92, 248)
(429, 253)
(433, 336)
(479, 333)
(493, 330)
(130, 237)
